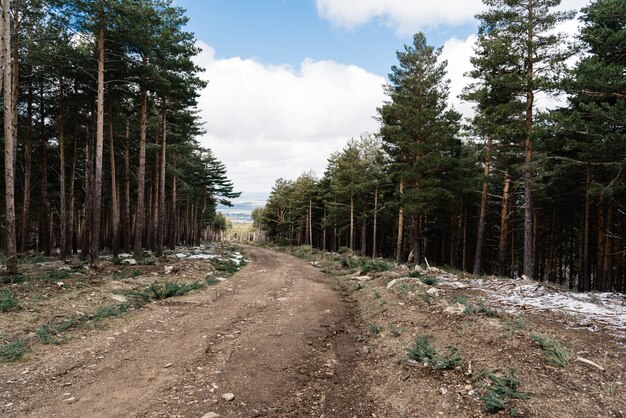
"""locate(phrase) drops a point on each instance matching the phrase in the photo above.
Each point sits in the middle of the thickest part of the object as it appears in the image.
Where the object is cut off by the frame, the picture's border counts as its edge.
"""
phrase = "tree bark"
(62, 197)
(400, 226)
(352, 221)
(69, 243)
(115, 214)
(141, 172)
(9, 158)
(480, 235)
(97, 184)
(586, 273)
(504, 224)
(44, 219)
(375, 226)
(528, 148)
(161, 221)
(28, 166)
(127, 224)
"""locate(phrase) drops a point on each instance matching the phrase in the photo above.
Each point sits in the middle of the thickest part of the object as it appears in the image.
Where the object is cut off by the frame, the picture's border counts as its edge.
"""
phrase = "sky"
(290, 81)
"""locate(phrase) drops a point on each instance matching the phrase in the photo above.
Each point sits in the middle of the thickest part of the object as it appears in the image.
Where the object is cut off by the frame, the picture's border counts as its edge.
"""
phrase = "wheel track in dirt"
(277, 335)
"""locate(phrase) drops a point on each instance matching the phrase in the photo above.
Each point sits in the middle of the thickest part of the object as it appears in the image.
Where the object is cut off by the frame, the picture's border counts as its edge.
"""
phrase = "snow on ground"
(585, 310)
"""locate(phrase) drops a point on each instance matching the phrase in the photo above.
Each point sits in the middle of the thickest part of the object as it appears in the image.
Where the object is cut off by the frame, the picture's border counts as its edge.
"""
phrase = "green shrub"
(375, 329)
(116, 261)
(224, 266)
(423, 352)
(54, 276)
(210, 281)
(374, 266)
(36, 258)
(12, 278)
(500, 389)
(553, 351)
(13, 351)
(8, 302)
(170, 289)
(344, 250)
(429, 280)
(109, 311)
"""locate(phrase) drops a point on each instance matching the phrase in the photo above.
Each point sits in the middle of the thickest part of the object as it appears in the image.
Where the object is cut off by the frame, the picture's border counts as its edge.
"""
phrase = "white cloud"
(406, 17)
(266, 121)
(458, 52)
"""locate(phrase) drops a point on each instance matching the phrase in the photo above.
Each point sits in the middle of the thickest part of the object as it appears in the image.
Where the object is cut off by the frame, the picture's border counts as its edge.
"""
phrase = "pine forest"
(517, 190)
(100, 130)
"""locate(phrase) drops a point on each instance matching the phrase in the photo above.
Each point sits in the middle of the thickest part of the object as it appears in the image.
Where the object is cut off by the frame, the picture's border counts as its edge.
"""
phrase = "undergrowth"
(8, 302)
(423, 352)
(499, 389)
(553, 351)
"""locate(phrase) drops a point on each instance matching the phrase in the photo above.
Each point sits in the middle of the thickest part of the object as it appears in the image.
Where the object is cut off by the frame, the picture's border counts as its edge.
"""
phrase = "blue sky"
(290, 81)
(289, 31)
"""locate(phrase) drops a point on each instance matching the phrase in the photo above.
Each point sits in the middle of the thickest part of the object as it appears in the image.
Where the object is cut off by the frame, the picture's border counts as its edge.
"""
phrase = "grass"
(423, 352)
(553, 351)
(36, 258)
(429, 280)
(374, 266)
(405, 287)
(224, 266)
(500, 389)
(158, 291)
(479, 308)
(515, 325)
(13, 351)
(8, 302)
(126, 274)
(12, 278)
(375, 329)
(394, 331)
(53, 276)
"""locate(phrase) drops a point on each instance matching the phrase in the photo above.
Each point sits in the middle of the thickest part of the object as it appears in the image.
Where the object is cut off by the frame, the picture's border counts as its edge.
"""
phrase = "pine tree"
(527, 57)
(419, 134)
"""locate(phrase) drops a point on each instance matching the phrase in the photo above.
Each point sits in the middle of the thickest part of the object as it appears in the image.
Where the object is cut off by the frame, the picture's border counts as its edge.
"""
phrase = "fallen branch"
(589, 362)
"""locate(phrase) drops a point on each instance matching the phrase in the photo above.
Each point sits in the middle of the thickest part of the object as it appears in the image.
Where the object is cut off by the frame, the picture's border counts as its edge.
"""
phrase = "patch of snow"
(182, 255)
(202, 256)
(588, 309)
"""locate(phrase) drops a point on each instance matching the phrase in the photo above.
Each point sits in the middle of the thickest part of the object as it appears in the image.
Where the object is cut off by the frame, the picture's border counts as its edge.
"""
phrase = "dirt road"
(277, 335)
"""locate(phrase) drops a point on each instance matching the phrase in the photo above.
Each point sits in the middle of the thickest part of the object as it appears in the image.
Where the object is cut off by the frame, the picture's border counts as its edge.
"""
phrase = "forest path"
(278, 335)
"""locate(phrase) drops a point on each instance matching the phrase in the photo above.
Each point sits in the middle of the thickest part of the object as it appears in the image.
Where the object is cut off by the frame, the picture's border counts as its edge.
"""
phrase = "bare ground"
(290, 341)
(277, 335)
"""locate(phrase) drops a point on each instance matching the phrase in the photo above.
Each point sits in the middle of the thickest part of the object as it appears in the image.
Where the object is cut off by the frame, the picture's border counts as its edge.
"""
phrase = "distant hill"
(242, 208)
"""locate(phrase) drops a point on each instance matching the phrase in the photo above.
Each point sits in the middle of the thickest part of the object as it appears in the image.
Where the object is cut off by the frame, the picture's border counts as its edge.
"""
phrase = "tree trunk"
(483, 210)
(115, 214)
(608, 249)
(375, 226)
(44, 219)
(400, 226)
(140, 214)
(364, 234)
(28, 166)
(504, 224)
(63, 202)
(11, 245)
(174, 211)
(528, 148)
(161, 222)
(310, 221)
(352, 221)
(69, 243)
(586, 270)
(97, 184)
(127, 224)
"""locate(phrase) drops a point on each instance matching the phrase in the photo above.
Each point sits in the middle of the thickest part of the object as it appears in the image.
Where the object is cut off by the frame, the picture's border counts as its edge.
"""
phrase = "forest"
(99, 130)
(518, 189)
